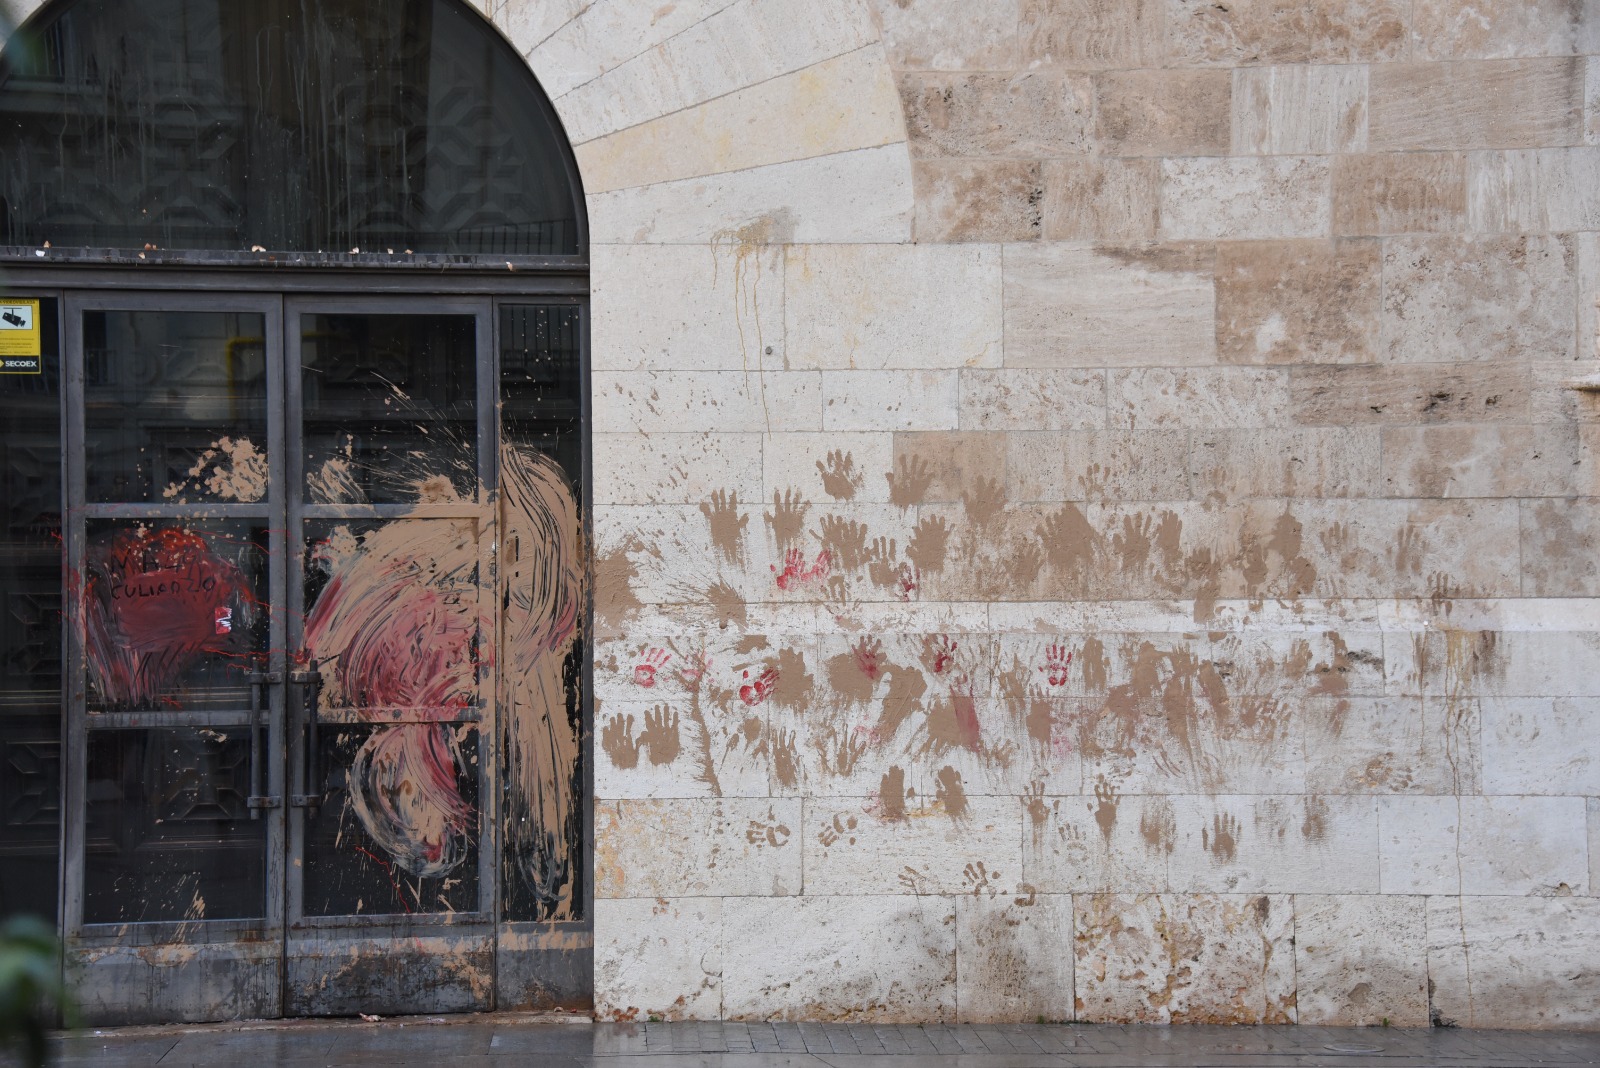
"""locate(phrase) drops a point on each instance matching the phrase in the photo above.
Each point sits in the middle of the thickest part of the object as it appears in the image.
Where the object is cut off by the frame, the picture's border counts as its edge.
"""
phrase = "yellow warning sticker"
(21, 347)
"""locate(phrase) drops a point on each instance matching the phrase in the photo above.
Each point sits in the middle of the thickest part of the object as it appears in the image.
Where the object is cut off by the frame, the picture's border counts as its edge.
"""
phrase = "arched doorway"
(309, 284)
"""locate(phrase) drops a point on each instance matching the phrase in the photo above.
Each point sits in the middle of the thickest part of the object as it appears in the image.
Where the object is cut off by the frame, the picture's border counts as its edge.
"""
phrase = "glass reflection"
(175, 406)
(390, 408)
(378, 125)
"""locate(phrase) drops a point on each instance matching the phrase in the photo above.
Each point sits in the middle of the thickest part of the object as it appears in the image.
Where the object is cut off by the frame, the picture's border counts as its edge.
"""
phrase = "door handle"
(309, 680)
(257, 799)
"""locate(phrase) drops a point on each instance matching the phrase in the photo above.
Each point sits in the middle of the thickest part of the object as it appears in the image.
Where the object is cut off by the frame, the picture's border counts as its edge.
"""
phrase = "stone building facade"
(1093, 506)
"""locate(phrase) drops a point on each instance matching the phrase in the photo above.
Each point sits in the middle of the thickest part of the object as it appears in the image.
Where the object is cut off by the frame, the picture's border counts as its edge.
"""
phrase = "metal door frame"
(535, 963)
(100, 953)
(457, 935)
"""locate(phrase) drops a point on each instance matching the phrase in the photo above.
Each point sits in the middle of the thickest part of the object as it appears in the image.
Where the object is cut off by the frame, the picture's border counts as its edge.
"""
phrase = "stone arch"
(695, 121)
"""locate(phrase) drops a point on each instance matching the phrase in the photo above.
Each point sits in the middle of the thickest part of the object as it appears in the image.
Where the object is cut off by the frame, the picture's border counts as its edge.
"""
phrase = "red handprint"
(760, 688)
(693, 670)
(938, 653)
(795, 572)
(1057, 661)
(644, 673)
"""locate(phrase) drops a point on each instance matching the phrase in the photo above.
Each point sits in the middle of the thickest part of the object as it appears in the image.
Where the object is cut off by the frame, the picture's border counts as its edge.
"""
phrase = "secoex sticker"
(21, 348)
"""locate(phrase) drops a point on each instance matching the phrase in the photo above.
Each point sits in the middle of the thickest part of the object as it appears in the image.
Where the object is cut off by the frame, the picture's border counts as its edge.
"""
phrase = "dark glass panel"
(175, 406)
(175, 614)
(543, 870)
(398, 828)
(390, 408)
(30, 630)
(403, 125)
(169, 832)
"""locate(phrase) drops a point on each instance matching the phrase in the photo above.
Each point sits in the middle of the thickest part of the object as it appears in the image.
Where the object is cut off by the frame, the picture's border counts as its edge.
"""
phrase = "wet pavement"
(503, 1041)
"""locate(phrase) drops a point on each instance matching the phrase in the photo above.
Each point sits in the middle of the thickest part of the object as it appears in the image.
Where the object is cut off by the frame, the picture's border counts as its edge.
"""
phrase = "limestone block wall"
(1091, 523)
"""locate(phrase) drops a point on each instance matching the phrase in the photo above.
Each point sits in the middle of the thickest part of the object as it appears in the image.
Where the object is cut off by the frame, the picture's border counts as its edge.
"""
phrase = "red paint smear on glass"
(152, 600)
(397, 628)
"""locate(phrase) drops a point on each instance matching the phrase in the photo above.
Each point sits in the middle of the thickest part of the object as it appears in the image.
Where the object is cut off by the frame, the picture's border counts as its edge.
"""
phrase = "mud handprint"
(727, 525)
(909, 482)
(1223, 840)
(660, 734)
(787, 519)
(616, 738)
(839, 475)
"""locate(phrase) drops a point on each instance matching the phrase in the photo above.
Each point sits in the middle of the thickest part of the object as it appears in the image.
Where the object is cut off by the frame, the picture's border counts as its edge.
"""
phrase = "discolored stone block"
(710, 401)
(1514, 961)
(889, 958)
(950, 34)
(1552, 840)
(712, 852)
(1111, 200)
(1447, 299)
(870, 307)
(1245, 197)
(1310, 462)
(1534, 190)
(1394, 745)
(1014, 958)
(1030, 115)
(1490, 29)
(1298, 302)
(658, 958)
(1558, 540)
(1503, 103)
(1091, 34)
(687, 308)
(1029, 400)
(889, 400)
(1299, 110)
(1481, 461)
(675, 468)
(931, 467)
(1201, 958)
(1541, 745)
(1208, 397)
(1100, 465)
(1077, 307)
(1399, 193)
(1285, 31)
(978, 200)
(1355, 395)
(1275, 844)
(849, 850)
(1417, 845)
(1361, 961)
(1162, 112)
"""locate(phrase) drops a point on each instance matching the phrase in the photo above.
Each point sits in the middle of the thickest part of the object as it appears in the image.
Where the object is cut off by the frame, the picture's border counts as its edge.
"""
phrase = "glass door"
(391, 881)
(174, 839)
(280, 641)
